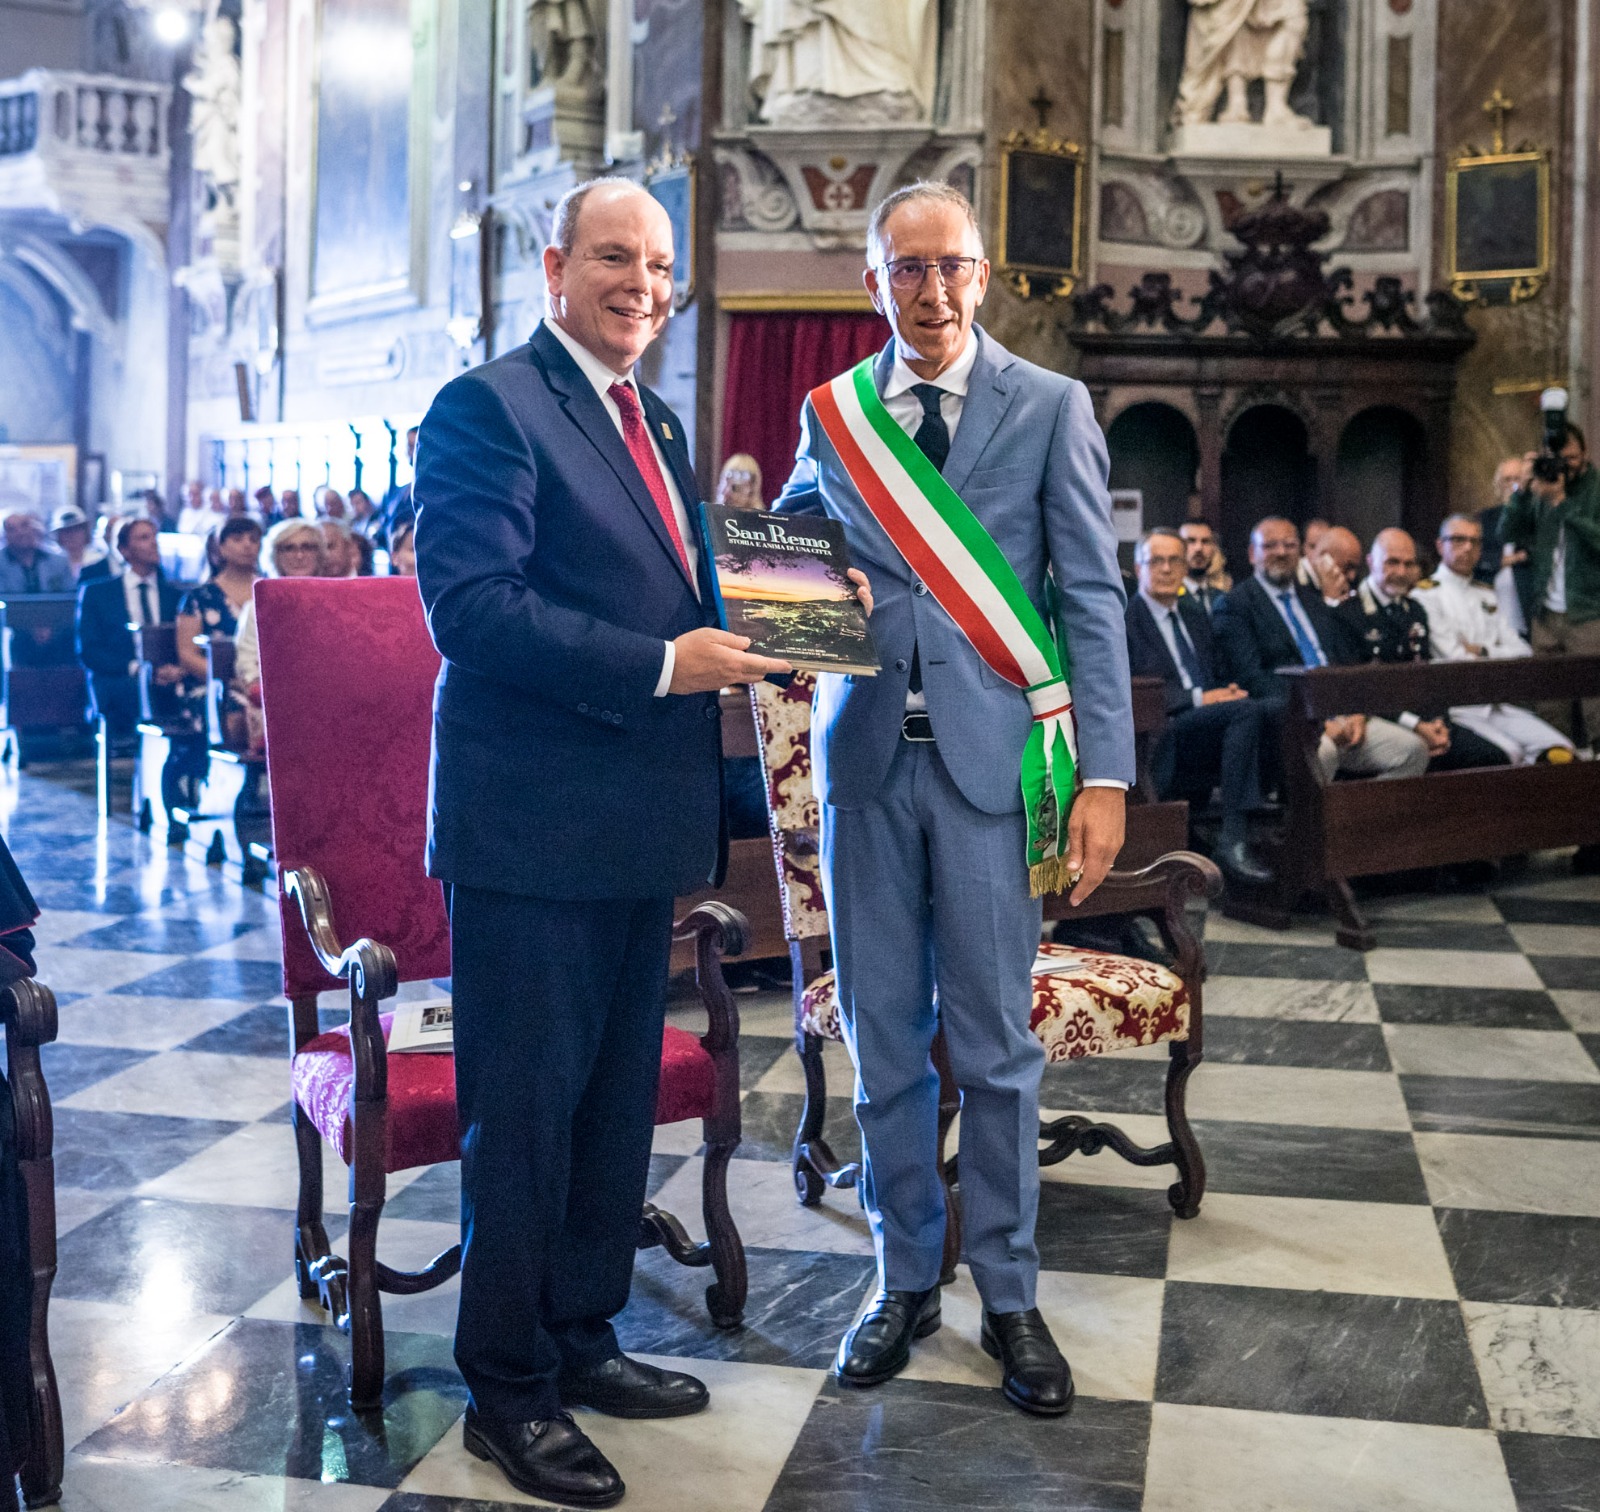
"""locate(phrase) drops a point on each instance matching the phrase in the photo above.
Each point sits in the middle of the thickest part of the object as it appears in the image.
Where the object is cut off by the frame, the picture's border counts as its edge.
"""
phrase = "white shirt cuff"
(1197, 696)
(669, 660)
(1408, 721)
(1110, 782)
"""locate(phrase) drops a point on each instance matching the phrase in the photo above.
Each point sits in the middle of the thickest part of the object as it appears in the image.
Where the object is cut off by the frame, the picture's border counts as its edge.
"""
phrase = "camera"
(1553, 411)
(1548, 468)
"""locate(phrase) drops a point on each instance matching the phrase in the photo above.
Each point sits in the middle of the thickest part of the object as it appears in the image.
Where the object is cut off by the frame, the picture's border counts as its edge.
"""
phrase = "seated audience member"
(1306, 573)
(1202, 560)
(403, 551)
(266, 506)
(212, 611)
(1386, 624)
(27, 565)
(397, 508)
(1465, 623)
(1338, 564)
(329, 504)
(292, 548)
(237, 508)
(1214, 730)
(107, 563)
(288, 506)
(364, 518)
(107, 607)
(70, 527)
(154, 508)
(342, 555)
(1270, 621)
(1502, 565)
(192, 517)
(739, 485)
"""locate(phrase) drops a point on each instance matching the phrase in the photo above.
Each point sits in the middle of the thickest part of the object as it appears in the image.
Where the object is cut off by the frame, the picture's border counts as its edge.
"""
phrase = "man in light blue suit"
(924, 834)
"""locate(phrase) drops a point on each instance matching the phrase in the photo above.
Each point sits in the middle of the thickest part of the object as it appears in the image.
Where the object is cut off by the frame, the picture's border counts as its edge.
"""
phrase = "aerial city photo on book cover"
(783, 581)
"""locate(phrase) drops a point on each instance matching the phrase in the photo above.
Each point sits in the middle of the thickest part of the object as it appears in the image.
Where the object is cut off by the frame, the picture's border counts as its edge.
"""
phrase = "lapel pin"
(666, 430)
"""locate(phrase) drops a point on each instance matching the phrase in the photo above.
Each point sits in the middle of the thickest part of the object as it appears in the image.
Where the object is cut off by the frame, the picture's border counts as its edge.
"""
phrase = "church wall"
(1527, 52)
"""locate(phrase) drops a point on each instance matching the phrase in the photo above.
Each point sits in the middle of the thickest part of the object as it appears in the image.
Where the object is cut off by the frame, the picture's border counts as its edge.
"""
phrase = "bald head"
(1340, 547)
(1393, 562)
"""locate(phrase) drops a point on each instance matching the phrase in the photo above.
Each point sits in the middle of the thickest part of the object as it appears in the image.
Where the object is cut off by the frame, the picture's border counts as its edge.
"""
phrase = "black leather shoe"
(552, 1459)
(625, 1388)
(1240, 866)
(879, 1346)
(1034, 1374)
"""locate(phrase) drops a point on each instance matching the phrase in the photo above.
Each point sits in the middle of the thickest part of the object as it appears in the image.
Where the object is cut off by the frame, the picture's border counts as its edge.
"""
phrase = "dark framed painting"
(1497, 224)
(674, 189)
(365, 256)
(1041, 214)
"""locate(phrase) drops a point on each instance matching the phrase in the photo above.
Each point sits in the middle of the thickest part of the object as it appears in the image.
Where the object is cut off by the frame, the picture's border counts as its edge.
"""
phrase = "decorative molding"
(799, 301)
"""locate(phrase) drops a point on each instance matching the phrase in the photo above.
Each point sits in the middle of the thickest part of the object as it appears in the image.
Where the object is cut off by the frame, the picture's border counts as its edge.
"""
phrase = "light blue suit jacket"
(1030, 462)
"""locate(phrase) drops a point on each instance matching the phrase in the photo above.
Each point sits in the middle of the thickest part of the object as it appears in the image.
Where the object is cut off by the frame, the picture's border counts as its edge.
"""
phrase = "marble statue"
(858, 62)
(562, 40)
(1230, 43)
(215, 85)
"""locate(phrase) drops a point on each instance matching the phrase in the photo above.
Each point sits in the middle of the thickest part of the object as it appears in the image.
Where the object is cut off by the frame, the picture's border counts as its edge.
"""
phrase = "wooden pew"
(44, 687)
(1362, 828)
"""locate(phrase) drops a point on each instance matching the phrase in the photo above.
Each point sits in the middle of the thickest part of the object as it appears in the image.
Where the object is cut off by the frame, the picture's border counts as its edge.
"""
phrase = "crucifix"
(1499, 105)
(1042, 106)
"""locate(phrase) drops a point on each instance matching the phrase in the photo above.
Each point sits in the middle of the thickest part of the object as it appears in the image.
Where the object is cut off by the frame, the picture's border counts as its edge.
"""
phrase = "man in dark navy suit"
(1214, 729)
(576, 792)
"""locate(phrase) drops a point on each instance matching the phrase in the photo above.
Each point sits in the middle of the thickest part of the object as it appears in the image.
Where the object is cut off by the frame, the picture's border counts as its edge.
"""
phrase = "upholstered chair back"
(783, 720)
(347, 676)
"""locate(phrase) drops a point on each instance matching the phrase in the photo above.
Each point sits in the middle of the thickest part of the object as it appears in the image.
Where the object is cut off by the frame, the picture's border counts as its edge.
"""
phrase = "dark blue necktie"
(1310, 655)
(1186, 652)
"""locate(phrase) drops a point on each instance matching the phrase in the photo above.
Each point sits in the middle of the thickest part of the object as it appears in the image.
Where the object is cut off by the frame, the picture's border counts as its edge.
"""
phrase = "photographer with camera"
(1555, 518)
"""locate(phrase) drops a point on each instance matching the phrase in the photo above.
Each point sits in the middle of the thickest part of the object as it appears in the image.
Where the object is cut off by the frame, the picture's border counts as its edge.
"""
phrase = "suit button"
(919, 588)
(583, 708)
(616, 719)
(902, 665)
(712, 711)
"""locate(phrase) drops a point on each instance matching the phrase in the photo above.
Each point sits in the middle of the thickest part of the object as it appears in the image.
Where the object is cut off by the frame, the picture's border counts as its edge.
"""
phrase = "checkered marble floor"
(1390, 1300)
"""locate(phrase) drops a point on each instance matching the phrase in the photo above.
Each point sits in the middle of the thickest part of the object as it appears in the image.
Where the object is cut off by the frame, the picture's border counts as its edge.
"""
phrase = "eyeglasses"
(1461, 540)
(906, 273)
(297, 546)
(1164, 561)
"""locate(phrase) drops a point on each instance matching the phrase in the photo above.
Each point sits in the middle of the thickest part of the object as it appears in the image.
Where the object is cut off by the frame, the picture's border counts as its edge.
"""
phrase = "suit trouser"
(1388, 750)
(1218, 745)
(1520, 733)
(558, 1014)
(925, 890)
(1556, 632)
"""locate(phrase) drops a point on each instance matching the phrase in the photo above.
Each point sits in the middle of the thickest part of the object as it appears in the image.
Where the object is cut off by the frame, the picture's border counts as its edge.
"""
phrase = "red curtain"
(774, 361)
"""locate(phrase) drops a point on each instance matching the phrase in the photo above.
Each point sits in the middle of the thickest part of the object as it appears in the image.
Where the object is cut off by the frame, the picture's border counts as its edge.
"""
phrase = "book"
(781, 580)
(423, 1027)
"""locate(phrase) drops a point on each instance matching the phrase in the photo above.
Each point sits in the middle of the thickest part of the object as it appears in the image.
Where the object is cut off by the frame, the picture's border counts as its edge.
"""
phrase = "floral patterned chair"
(1104, 1003)
(347, 670)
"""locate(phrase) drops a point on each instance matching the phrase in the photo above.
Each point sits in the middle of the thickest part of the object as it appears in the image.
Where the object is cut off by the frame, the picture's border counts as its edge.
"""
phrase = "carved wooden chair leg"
(311, 1247)
(949, 1169)
(815, 1164)
(725, 1297)
(1187, 1191)
(367, 1126)
(1352, 929)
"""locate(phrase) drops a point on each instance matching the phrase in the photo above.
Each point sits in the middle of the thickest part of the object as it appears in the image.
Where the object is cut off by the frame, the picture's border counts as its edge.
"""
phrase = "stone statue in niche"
(215, 85)
(562, 45)
(843, 62)
(1230, 43)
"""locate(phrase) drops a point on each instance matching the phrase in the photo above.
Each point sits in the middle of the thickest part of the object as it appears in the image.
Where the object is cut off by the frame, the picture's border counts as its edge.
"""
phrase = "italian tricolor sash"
(948, 549)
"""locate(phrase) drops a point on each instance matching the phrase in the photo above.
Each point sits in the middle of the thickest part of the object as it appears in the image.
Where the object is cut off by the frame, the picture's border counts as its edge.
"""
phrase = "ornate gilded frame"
(1523, 282)
(1033, 277)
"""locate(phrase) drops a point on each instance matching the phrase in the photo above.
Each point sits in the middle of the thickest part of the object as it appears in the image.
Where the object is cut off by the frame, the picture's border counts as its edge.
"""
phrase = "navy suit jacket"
(550, 584)
(1255, 642)
(1148, 655)
(105, 643)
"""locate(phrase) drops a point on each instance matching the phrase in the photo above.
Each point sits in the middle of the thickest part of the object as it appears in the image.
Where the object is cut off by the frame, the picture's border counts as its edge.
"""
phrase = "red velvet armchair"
(347, 671)
(1100, 1003)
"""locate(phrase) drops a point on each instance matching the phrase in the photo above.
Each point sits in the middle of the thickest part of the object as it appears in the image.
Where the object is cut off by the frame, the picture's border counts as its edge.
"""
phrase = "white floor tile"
(1463, 908)
(1511, 1175)
(1222, 930)
(1581, 1009)
(100, 1485)
(761, 1195)
(192, 1084)
(1540, 1367)
(255, 1167)
(1298, 1095)
(787, 1075)
(65, 970)
(1291, 998)
(1378, 1248)
(1216, 1459)
(1557, 939)
(1503, 1054)
(145, 1023)
(1451, 968)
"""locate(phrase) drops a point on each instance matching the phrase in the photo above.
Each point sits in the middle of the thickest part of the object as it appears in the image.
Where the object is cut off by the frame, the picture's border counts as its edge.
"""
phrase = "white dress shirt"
(136, 615)
(602, 377)
(1292, 613)
(1171, 627)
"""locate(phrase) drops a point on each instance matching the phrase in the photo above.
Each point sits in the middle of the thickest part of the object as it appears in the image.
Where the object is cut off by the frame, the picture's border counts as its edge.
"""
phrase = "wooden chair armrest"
(368, 966)
(717, 931)
(1160, 891)
(29, 1010)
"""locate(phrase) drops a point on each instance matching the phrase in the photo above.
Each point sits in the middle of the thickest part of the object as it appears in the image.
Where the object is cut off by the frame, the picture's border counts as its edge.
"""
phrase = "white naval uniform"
(1463, 613)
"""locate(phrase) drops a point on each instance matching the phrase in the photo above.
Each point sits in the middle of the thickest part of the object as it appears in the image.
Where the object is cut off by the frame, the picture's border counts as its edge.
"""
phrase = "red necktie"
(644, 458)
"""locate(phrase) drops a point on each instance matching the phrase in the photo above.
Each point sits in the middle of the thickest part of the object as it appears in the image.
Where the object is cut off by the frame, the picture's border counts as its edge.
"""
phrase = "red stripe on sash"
(952, 597)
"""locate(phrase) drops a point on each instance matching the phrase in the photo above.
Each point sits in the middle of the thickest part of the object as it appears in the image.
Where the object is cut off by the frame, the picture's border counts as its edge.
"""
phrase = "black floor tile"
(758, 1054)
(160, 935)
(1113, 1231)
(662, 1169)
(1325, 1354)
(415, 1501)
(116, 1151)
(800, 1305)
(434, 1197)
(1537, 1259)
(1551, 1473)
(1521, 910)
(270, 1399)
(262, 1031)
(1469, 1007)
(911, 1445)
(206, 1257)
(1478, 1105)
(1311, 963)
(1234, 1041)
(1104, 1084)
(71, 1068)
(1591, 1043)
(770, 1118)
(249, 981)
(1295, 1160)
(1439, 934)
(1580, 973)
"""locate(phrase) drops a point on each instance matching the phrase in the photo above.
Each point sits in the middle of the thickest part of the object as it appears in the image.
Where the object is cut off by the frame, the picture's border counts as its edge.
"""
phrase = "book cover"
(782, 580)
